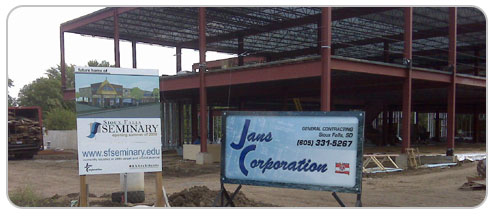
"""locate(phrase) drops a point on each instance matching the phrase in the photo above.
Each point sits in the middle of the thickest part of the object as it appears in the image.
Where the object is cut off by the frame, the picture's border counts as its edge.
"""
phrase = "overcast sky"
(34, 46)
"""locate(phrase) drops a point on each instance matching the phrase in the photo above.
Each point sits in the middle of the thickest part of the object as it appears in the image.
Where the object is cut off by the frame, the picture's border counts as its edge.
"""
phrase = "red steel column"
(194, 120)
(210, 123)
(178, 59)
(202, 68)
(116, 38)
(180, 108)
(386, 51)
(452, 93)
(134, 57)
(476, 62)
(240, 51)
(326, 73)
(476, 126)
(407, 86)
(437, 126)
(385, 126)
(62, 59)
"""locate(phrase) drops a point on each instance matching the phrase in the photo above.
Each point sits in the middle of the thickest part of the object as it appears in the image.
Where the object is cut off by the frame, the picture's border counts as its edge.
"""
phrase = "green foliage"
(95, 63)
(137, 93)
(26, 197)
(156, 93)
(46, 93)
(12, 101)
(60, 119)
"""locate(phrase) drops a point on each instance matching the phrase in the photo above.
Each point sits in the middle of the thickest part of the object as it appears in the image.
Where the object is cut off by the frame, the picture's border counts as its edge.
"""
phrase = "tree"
(95, 63)
(60, 119)
(12, 100)
(137, 93)
(156, 93)
(46, 93)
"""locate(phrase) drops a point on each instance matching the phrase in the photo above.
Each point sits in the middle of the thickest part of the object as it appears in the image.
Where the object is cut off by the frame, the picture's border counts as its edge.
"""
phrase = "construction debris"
(381, 161)
(477, 182)
(441, 165)
(474, 183)
(481, 168)
(202, 196)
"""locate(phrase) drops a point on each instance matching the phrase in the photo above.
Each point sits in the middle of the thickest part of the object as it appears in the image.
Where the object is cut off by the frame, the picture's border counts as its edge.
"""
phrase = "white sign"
(118, 120)
(293, 150)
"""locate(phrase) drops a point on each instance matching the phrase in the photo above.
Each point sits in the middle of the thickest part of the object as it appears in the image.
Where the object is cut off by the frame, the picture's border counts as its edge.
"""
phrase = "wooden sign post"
(83, 194)
(160, 197)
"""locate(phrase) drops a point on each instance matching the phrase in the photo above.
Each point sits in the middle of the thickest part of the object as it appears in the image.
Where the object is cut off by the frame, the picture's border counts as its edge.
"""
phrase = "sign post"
(118, 123)
(305, 150)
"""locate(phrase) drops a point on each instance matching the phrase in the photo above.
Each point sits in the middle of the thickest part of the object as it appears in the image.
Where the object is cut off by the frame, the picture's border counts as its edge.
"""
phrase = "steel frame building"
(422, 59)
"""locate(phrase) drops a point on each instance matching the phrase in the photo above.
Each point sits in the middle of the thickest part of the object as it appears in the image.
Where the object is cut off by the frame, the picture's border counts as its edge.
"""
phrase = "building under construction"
(419, 73)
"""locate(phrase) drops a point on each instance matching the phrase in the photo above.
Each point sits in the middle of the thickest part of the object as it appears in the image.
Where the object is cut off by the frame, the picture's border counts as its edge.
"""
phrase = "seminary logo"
(303, 165)
(87, 167)
(93, 129)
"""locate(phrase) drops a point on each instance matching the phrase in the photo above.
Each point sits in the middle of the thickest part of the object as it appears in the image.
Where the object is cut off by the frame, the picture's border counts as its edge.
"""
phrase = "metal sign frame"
(360, 139)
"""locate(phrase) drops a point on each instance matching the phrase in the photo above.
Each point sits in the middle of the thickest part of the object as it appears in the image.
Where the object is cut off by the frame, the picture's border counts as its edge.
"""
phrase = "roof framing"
(288, 32)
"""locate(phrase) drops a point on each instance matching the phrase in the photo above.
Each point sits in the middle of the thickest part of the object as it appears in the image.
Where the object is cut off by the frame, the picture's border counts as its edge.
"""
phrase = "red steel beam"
(202, 70)
(326, 73)
(116, 38)
(339, 14)
(452, 87)
(305, 70)
(407, 85)
(91, 18)
(438, 32)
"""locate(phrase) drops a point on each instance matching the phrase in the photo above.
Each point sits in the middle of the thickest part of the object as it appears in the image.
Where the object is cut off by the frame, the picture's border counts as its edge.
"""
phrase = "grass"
(27, 197)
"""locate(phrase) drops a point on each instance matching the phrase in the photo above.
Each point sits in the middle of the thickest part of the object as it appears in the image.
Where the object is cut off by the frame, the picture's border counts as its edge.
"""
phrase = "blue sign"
(307, 150)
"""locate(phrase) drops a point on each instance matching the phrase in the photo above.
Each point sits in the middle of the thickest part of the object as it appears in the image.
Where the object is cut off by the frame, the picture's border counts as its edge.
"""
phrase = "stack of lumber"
(23, 130)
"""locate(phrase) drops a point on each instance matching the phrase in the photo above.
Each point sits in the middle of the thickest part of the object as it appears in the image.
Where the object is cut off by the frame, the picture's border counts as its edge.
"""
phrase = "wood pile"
(23, 130)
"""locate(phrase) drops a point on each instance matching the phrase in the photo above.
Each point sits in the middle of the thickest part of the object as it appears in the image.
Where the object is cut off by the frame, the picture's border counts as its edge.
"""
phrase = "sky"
(34, 46)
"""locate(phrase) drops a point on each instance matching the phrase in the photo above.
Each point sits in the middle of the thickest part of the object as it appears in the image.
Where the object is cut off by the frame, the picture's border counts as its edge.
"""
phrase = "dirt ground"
(56, 173)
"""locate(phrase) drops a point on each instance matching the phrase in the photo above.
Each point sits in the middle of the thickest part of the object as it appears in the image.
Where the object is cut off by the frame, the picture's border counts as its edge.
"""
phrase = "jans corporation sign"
(308, 150)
